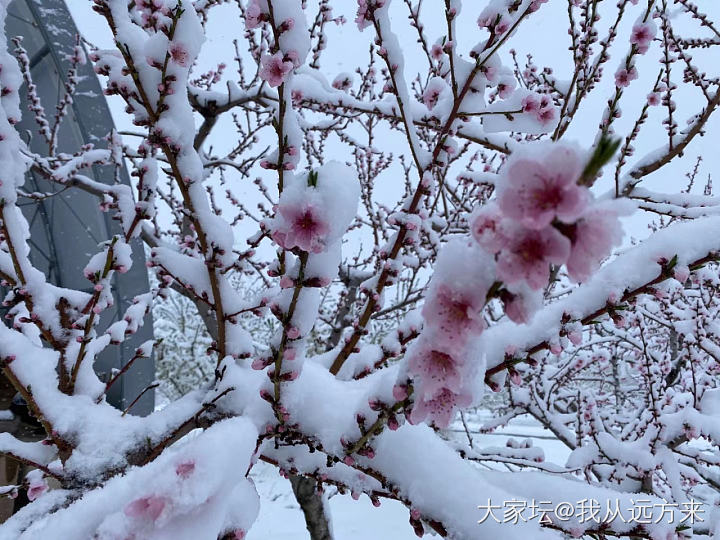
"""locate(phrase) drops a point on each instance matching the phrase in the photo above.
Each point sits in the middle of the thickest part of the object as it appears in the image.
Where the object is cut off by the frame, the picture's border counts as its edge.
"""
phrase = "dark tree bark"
(312, 506)
(318, 524)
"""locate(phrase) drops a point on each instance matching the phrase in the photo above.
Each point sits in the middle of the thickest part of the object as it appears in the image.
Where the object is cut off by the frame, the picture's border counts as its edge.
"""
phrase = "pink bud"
(293, 332)
(400, 392)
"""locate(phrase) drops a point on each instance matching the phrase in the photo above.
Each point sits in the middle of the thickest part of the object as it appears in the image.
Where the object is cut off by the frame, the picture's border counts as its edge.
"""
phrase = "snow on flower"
(592, 238)
(433, 92)
(36, 484)
(436, 51)
(538, 190)
(486, 227)
(275, 68)
(624, 77)
(530, 103)
(253, 15)
(148, 508)
(185, 469)
(506, 86)
(440, 407)
(454, 304)
(306, 227)
(520, 302)
(314, 209)
(529, 253)
(455, 314)
(179, 54)
(546, 115)
(642, 34)
(436, 369)
(365, 8)
(452, 314)
(343, 81)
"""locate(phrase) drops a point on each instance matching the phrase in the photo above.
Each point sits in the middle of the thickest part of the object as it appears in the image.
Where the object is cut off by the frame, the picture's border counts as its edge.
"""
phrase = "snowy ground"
(281, 518)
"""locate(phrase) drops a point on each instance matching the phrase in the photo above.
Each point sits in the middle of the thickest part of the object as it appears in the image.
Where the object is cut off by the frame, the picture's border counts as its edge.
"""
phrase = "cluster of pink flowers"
(541, 106)
(439, 362)
(543, 217)
(343, 82)
(365, 8)
(494, 22)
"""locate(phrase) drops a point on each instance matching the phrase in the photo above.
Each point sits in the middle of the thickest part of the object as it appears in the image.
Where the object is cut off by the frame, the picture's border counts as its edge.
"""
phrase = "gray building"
(68, 226)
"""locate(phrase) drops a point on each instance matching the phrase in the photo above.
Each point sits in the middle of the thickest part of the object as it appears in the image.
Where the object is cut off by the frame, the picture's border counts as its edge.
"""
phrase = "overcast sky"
(544, 35)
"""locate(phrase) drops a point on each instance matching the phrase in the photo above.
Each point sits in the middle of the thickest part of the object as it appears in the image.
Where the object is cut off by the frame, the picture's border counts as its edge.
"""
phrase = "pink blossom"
(430, 96)
(296, 96)
(274, 68)
(535, 5)
(253, 15)
(293, 56)
(681, 273)
(486, 227)
(306, 229)
(642, 35)
(546, 115)
(623, 77)
(185, 469)
(36, 486)
(293, 332)
(502, 26)
(490, 72)
(575, 337)
(653, 99)
(179, 54)
(517, 307)
(529, 253)
(400, 392)
(505, 87)
(342, 82)
(530, 103)
(454, 314)
(486, 20)
(436, 369)
(433, 91)
(538, 191)
(363, 18)
(436, 51)
(146, 507)
(591, 239)
(439, 408)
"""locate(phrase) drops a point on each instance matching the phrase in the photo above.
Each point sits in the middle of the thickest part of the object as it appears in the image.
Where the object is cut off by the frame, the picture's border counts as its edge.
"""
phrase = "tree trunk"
(311, 502)
(317, 522)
